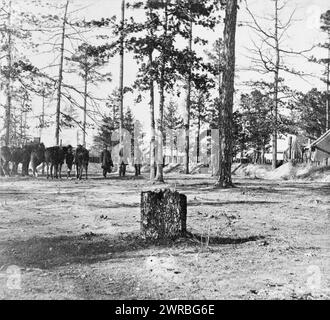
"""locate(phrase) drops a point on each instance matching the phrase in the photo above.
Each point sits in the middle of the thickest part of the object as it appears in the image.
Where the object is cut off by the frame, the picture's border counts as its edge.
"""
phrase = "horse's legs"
(47, 164)
(56, 171)
(60, 170)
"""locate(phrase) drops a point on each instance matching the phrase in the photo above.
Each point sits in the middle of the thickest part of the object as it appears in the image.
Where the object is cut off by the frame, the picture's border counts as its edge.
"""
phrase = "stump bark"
(163, 215)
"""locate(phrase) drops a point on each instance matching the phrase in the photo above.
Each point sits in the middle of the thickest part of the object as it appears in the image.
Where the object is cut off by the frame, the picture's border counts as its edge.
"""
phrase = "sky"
(304, 33)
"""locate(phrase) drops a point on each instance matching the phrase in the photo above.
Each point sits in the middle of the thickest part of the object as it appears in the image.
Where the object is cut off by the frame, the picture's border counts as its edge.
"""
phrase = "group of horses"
(33, 155)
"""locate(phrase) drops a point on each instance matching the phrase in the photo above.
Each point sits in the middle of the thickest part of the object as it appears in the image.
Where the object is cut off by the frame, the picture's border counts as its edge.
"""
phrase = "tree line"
(84, 48)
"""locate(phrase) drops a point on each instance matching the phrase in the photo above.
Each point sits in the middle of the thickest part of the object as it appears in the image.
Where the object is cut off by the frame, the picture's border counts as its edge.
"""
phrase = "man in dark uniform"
(106, 161)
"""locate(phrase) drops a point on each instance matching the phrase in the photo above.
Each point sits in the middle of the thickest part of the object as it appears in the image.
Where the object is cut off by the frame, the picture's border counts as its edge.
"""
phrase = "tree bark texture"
(163, 215)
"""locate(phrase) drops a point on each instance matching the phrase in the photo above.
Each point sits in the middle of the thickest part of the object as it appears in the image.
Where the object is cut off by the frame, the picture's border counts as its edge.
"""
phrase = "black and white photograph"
(164, 150)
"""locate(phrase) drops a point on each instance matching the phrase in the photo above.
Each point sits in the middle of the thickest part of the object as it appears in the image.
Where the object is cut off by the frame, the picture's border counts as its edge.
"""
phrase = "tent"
(320, 148)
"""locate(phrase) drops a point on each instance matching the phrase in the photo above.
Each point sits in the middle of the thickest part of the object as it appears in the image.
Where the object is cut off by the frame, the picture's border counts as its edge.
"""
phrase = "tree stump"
(163, 215)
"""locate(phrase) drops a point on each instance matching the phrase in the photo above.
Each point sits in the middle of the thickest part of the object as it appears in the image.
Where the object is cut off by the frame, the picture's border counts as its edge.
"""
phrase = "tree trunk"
(152, 118)
(290, 149)
(276, 80)
(85, 104)
(153, 129)
(8, 89)
(225, 160)
(121, 77)
(24, 128)
(198, 133)
(220, 107)
(188, 104)
(328, 93)
(160, 175)
(42, 121)
(163, 215)
(60, 78)
(21, 126)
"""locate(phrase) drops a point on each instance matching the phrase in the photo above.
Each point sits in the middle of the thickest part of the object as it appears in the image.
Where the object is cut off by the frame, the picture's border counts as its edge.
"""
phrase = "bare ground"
(79, 240)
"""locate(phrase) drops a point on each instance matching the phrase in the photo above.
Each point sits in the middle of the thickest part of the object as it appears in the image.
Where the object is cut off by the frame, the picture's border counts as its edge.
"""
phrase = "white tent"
(321, 147)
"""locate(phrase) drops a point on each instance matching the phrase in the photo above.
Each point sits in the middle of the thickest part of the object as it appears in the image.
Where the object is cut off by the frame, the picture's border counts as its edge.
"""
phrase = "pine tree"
(200, 104)
(88, 60)
(16, 22)
(325, 19)
(172, 123)
(309, 113)
(226, 125)
(254, 121)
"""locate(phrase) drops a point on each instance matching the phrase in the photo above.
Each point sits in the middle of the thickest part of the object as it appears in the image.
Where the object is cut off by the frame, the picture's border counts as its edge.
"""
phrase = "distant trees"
(200, 107)
(325, 27)
(216, 59)
(254, 119)
(309, 115)
(87, 62)
(14, 34)
(172, 122)
(171, 68)
(68, 37)
(21, 108)
(161, 62)
(105, 131)
(172, 118)
(190, 14)
(110, 123)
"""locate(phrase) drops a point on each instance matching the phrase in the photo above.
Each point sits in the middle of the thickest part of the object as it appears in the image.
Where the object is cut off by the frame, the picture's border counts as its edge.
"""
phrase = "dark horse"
(54, 157)
(37, 157)
(81, 160)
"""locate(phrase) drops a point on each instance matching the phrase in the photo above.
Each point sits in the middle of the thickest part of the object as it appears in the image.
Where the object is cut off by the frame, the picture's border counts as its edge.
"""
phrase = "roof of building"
(324, 138)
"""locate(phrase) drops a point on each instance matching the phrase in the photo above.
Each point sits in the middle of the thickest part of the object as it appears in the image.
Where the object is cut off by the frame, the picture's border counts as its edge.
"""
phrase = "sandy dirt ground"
(73, 239)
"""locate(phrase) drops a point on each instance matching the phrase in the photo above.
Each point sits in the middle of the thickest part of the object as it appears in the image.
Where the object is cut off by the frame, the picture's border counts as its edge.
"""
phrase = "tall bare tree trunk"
(220, 107)
(21, 125)
(152, 117)
(42, 121)
(153, 128)
(276, 80)
(327, 125)
(8, 89)
(85, 102)
(121, 79)
(23, 113)
(24, 128)
(160, 175)
(198, 133)
(225, 160)
(188, 104)
(60, 78)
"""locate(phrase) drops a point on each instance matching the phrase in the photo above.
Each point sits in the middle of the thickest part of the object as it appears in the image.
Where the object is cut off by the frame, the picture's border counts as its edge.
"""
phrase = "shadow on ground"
(50, 252)
(220, 203)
